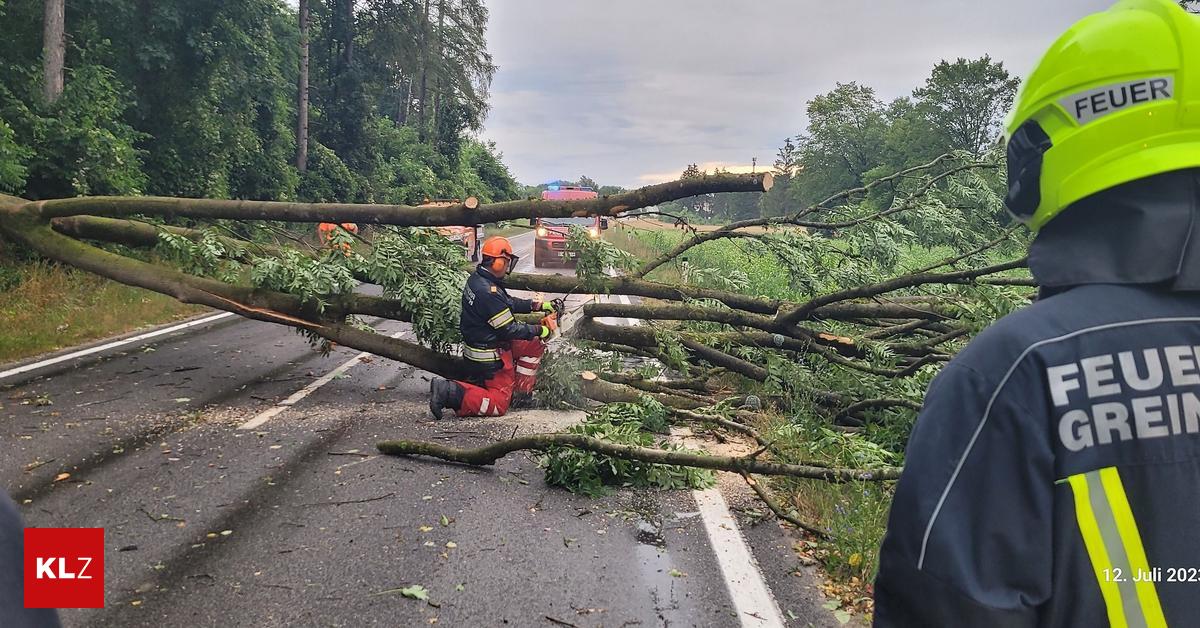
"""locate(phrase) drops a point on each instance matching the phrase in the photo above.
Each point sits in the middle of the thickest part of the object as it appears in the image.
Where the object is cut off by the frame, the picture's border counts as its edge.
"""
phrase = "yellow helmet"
(1115, 99)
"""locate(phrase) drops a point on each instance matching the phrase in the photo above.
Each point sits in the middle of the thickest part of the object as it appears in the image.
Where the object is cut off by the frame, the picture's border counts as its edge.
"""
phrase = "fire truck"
(550, 234)
(470, 237)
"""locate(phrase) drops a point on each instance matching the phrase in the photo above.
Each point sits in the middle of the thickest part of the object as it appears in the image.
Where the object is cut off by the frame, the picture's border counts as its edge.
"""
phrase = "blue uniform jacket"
(487, 314)
(1055, 464)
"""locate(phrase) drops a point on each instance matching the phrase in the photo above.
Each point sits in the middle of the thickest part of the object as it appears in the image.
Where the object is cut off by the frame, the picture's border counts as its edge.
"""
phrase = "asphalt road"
(298, 522)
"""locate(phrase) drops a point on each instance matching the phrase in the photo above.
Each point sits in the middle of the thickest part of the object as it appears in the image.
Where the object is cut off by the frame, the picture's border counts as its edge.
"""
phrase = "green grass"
(44, 307)
(507, 230)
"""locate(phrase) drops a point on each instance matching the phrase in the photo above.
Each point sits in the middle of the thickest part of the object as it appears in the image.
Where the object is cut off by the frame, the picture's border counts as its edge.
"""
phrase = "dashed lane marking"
(112, 345)
(275, 410)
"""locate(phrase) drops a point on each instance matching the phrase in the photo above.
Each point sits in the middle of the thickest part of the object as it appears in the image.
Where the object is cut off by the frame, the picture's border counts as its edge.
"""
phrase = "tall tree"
(302, 105)
(54, 48)
(843, 141)
(786, 160)
(967, 100)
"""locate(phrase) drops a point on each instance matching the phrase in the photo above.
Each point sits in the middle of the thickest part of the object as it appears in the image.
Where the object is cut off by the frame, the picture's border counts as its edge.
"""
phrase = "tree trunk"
(302, 126)
(423, 94)
(441, 33)
(405, 103)
(466, 213)
(348, 50)
(54, 49)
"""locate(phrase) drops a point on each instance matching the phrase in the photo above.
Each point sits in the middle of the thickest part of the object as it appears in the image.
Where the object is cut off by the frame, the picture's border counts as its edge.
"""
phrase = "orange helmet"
(498, 255)
(497, 247)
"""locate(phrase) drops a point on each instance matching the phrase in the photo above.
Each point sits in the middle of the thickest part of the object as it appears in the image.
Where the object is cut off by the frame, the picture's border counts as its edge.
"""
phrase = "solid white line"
(751, 596)
(113, 345)
(275, 410)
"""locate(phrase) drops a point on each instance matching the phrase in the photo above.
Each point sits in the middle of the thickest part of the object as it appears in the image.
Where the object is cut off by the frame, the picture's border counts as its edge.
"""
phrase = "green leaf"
(416, 592)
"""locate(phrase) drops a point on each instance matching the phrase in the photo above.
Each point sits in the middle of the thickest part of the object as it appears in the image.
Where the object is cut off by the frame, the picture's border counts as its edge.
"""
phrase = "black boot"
(444, 395)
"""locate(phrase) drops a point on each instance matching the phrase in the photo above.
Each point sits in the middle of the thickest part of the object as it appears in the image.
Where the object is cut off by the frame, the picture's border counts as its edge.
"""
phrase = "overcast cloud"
(629, 92)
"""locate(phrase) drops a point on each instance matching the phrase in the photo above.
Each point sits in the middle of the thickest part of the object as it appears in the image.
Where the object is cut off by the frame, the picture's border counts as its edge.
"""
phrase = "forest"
(201, 99)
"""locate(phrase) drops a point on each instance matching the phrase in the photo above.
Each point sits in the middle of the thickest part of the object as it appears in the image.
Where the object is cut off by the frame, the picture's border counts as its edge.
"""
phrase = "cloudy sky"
(629, 92)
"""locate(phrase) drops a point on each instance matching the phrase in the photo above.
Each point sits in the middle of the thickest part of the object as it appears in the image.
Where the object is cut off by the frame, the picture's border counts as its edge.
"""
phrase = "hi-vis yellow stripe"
(501, 319)
(1118, 558)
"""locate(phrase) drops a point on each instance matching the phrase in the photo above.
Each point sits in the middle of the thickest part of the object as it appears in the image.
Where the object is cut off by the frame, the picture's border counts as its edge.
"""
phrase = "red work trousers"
(521, 360)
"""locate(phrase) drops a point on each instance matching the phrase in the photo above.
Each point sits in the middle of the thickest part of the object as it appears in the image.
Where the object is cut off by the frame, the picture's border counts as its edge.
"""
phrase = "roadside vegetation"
(45, 306)
(855, 513)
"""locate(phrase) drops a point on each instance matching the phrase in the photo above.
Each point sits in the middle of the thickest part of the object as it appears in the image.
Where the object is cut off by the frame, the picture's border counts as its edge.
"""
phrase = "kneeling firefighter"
(504, 352)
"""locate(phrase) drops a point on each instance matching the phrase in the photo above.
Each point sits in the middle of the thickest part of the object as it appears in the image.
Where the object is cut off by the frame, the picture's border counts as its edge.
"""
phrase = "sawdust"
(532, 421)
(732, 485)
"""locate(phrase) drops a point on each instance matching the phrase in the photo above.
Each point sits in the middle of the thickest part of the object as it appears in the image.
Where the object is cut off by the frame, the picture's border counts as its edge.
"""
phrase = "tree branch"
(399, 215)
(908, 281)
(727, 231)
(489, 454)
(777, 508)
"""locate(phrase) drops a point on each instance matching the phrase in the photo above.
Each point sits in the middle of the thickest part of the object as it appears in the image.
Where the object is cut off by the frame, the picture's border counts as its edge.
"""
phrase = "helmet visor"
(1025, 151)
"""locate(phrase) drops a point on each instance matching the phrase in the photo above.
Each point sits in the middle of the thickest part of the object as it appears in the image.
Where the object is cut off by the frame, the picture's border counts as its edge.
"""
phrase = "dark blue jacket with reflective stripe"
(487, 313)
(1053, 474)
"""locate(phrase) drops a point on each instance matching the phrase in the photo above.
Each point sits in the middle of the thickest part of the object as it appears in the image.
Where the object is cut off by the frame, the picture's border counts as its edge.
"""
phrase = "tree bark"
(423, 93)
(441, 35)
(405, 103)
(564, 284)
(302, 108)
(489, 454)
(399, 215)
(54, 49)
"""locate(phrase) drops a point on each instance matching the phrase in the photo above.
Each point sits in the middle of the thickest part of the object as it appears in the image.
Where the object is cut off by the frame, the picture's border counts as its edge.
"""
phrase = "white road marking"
(275, 410)
(756, 606)
(112, 345)
(752, 597)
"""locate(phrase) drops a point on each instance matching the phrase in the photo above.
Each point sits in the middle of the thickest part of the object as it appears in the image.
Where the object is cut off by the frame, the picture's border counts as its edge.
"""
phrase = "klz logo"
(64, 567)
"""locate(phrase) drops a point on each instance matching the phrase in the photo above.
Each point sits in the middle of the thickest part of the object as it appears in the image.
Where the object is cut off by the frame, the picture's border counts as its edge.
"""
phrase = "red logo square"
(64, 567)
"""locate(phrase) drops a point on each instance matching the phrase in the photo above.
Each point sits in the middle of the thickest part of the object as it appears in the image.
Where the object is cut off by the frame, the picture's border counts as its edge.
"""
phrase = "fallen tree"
(489, 454)
(846, 336)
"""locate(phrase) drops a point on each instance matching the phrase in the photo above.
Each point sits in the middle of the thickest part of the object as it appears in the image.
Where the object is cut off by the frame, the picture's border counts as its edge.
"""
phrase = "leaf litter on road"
(413, 592)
